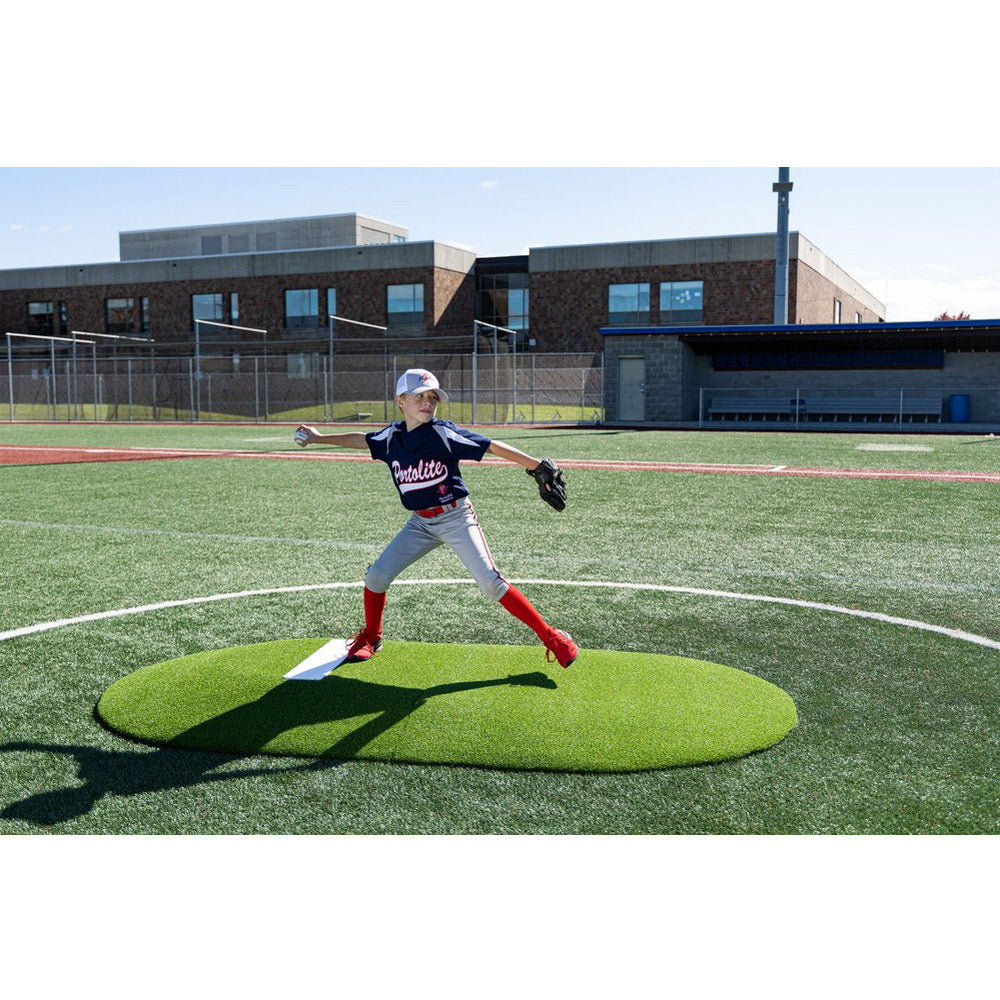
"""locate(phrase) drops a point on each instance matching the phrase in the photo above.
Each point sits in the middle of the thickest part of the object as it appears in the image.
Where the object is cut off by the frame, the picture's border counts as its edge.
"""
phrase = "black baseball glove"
(551, 484)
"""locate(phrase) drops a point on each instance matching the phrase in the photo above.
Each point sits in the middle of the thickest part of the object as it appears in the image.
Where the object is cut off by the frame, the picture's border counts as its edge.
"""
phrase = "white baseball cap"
(415, 380)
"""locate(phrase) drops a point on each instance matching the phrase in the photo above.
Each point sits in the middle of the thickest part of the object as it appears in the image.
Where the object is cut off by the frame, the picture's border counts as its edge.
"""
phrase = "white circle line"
(951, 633)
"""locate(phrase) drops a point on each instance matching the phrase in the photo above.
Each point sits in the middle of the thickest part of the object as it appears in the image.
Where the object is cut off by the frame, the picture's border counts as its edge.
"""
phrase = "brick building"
(288, 276)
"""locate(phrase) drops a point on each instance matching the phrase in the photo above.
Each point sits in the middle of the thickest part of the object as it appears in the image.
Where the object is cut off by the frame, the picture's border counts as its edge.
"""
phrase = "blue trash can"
(958, 408)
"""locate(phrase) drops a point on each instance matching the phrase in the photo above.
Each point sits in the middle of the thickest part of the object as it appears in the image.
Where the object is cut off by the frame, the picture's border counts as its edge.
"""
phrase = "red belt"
(434, 511)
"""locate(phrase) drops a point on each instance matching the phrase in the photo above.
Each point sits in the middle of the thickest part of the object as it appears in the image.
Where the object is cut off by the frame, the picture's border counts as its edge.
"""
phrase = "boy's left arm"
(512, 454)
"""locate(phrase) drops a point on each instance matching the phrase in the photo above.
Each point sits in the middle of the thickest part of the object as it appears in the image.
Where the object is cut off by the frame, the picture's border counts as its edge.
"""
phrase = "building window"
(40, 317)
(517, 304)
(207, 307)
(628, 304)
(239, 243)
(681, 301)
(857, 317)
(211, 245)
(405, 304)
(119, 315)
(502, 299)
(234, 307)
(836, 310)
(267, 241)
(301, 308)
(144, 314)
(63, 319)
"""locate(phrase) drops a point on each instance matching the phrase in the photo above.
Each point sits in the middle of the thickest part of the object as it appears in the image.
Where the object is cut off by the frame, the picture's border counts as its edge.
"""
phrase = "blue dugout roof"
(930, 326)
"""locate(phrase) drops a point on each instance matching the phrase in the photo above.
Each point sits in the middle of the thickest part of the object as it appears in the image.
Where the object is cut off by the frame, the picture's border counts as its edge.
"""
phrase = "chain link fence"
(497, 388)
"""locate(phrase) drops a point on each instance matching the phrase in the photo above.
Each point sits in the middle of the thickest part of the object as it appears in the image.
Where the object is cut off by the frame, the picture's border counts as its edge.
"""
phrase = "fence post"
(256, 390)
(386, 408)
(326, 389)
(532, 386)
(128, 367)
(10, 381)
(513, 405)
(604, 415)
(475, 368)
(52, 376)
(191, 386)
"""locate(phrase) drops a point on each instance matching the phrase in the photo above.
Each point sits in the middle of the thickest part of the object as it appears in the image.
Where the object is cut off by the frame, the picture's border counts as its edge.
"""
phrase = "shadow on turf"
(295, 703)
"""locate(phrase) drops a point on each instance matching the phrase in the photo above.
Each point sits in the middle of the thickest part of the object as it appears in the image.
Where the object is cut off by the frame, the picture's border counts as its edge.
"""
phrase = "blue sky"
(922, 240)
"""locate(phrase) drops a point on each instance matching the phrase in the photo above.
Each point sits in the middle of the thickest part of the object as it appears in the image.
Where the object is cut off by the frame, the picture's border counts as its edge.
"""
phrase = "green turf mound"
(495, 706)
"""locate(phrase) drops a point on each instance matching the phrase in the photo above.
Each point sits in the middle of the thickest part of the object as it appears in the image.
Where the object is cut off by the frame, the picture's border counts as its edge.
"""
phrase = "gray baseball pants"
(458, 529)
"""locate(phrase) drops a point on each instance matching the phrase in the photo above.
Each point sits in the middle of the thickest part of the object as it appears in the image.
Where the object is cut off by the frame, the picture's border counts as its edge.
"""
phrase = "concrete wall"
(667, 365)
(833, 277)
(262, 236)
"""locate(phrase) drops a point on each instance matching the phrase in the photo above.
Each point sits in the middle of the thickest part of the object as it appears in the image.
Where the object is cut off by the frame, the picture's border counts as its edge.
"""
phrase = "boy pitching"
(423, 454)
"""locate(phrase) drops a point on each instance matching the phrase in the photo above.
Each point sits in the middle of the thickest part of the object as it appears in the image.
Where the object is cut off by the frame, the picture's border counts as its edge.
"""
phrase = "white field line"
(362, 546)
(174, 533)
(950, 633)
(920, 475)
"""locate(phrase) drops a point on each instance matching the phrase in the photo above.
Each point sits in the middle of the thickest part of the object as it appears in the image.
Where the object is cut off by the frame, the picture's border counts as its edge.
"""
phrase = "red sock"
(374, 606)
(520, 607)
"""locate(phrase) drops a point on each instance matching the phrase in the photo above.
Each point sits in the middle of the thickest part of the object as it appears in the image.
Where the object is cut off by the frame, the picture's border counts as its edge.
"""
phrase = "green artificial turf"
(898, 728)
(491, 706)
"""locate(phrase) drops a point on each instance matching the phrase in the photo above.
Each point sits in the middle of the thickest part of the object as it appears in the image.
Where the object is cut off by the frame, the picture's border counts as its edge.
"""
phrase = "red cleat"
(561, 647)
(363, 647)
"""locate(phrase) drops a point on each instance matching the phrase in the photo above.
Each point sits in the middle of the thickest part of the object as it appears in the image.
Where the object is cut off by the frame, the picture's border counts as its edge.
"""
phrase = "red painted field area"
(51, 455)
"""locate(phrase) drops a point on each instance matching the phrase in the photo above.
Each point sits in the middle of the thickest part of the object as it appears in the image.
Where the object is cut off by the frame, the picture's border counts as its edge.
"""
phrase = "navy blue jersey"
(424, 461)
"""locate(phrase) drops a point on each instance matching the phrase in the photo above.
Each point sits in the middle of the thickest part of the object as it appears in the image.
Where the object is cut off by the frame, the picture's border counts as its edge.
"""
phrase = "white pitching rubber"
(317, 665)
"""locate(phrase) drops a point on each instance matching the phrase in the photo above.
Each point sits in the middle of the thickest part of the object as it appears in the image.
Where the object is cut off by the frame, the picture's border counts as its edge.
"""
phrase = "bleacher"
(886, 408)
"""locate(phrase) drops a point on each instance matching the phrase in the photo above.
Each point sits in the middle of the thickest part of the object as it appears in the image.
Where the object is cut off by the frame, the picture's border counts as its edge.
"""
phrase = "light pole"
(197, 349)
(51, 340)
(372, 326)
(107, 336)
(476, 323)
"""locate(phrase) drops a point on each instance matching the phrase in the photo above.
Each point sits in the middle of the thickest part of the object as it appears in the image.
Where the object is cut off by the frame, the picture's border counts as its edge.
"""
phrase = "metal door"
(632, 389)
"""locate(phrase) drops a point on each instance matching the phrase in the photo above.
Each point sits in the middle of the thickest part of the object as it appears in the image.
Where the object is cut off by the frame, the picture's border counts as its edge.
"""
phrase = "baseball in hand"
(301, 437)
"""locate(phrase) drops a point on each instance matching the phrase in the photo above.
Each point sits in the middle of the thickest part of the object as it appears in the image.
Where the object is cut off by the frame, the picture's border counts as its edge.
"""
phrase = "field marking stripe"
(175, 533)
(355, 546)
(950, 633)
(609, 465)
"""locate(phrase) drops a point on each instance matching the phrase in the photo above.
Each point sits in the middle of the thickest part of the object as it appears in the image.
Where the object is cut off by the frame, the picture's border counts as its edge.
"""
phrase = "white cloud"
(489, 184)
(924, 298)
(16, 226)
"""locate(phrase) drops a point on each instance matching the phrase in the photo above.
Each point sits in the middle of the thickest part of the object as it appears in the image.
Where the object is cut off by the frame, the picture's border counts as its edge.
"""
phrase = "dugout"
(925, 376)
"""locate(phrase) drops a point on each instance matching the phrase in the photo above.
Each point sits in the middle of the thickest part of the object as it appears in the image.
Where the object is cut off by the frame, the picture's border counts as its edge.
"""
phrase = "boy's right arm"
(349, 439)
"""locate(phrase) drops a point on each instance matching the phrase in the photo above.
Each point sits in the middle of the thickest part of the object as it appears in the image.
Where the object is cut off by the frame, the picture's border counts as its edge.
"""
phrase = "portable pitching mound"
(490, 706)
